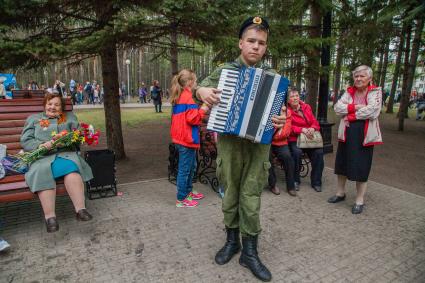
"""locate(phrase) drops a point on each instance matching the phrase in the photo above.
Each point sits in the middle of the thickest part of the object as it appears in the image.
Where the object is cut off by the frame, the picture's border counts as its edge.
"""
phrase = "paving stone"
(142, 237)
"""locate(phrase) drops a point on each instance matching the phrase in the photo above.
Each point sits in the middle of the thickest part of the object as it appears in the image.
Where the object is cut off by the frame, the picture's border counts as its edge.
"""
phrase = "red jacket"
(185, 121)
(299, 122)
(281, 137)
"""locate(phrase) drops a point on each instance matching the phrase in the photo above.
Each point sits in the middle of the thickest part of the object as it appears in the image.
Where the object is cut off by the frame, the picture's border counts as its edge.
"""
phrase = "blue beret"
(253, 21)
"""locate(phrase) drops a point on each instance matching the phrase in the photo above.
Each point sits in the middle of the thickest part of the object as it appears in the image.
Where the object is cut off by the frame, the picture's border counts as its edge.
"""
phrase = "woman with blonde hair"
(185, 121)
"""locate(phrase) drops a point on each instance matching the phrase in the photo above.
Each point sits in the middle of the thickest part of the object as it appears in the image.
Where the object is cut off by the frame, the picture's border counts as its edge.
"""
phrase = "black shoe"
(317, 188)
(83, 215)
(231, 247)
(335, 199)
(249, 259)
(297, 186)
(357, 208)
(52, 225)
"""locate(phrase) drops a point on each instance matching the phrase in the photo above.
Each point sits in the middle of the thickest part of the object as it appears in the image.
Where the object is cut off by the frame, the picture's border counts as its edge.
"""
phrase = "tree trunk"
(113, 128)
(174, 52)
(390, 103)
(313, 58)
(385, 65)
(379, 70)
(404, 95)
(299, 73)
(338, 63)
(411, 70)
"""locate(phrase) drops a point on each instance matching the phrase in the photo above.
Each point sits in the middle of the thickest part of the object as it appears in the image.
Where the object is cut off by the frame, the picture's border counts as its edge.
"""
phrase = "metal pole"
(128, 82)
(325, 126)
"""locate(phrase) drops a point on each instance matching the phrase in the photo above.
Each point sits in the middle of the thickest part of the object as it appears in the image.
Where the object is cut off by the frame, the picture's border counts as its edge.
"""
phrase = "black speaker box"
(104, 182)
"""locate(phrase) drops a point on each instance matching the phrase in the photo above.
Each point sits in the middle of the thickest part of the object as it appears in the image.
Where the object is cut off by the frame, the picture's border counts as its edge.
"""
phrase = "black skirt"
(354, 160)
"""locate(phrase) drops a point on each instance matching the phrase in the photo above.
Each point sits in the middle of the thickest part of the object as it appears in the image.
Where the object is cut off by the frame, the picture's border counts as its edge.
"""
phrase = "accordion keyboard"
(220, 113)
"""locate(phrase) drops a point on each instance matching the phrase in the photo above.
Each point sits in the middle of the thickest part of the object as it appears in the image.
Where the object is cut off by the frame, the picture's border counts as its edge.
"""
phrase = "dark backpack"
(88, 89)
(155, 93)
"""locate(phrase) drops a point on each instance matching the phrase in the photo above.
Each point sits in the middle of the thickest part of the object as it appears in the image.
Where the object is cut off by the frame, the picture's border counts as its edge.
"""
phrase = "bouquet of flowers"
(85, 134)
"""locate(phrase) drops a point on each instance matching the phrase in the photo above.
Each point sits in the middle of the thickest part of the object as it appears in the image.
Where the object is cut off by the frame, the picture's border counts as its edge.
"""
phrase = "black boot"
(249, 259)
(231, 247)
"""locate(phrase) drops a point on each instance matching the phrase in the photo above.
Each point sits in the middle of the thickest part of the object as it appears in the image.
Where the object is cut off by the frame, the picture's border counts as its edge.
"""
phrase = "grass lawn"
(130, 117)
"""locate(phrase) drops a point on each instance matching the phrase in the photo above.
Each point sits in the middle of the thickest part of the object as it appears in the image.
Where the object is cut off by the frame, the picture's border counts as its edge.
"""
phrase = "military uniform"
(242, 169)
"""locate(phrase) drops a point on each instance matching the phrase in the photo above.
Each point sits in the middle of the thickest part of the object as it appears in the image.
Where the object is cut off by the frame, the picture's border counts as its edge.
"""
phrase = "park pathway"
(142, 237)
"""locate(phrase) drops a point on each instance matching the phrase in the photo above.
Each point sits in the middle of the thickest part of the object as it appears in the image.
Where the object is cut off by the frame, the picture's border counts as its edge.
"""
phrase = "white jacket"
(345, 108)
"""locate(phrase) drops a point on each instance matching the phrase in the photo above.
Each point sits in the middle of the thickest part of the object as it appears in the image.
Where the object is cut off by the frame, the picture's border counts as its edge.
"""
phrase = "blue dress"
(61, 167)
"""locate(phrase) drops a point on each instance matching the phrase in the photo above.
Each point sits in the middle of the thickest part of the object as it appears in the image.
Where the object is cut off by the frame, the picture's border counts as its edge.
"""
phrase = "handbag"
(12, 167)
(304, 142)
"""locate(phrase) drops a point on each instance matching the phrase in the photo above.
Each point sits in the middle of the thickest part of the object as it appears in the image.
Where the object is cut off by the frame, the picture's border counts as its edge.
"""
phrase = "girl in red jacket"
(185, 121)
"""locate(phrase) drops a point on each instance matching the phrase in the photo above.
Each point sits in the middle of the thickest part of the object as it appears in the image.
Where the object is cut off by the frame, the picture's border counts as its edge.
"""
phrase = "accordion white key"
(249, 98)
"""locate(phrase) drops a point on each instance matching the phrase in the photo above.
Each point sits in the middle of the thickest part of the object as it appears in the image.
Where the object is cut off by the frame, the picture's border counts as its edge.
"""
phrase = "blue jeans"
(187, 167)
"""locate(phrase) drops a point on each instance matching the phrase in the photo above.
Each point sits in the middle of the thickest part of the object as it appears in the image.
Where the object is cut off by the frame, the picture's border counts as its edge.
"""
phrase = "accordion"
(249, 98)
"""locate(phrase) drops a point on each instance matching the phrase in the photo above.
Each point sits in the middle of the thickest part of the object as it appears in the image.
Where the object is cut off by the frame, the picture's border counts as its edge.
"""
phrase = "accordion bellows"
(249, 99)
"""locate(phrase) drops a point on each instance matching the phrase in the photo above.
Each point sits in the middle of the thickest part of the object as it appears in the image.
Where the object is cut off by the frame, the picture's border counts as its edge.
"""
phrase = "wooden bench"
(13, 113)
(24, 93)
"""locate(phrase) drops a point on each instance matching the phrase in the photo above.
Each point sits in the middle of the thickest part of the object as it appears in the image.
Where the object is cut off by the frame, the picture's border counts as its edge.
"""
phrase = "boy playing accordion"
(242, 166)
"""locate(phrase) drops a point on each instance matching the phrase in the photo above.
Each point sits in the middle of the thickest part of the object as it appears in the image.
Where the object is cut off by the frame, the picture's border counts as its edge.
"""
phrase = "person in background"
(156, 95)
(96, 94)
(303, 121)
(59, 86)
(34, 85)
(280, 149)
(358, 133)
(123, 92)
(143, 92)
(88, 89)
(102, 95)
(2, 88)
(73, 91)
(420, 106)
(80, 96)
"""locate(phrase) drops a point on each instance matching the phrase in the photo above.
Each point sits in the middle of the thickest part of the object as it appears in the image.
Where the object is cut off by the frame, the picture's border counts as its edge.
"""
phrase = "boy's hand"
(208, 95)
(279, 121)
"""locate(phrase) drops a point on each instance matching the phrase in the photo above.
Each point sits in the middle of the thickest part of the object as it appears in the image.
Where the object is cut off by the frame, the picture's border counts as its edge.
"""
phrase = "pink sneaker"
(196, 195)
(187, 202)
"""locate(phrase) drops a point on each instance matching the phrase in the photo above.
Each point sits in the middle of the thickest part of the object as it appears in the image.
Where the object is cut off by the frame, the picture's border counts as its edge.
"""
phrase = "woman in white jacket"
(358, 132)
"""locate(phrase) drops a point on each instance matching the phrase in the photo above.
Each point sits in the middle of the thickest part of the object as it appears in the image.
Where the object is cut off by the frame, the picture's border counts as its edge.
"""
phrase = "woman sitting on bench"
(62, 162)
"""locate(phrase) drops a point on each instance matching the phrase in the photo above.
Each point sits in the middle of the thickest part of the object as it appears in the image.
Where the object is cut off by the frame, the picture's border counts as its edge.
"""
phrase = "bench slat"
(11, 131)
(15, 116)
(26, 108)
(13, 186)
(9, 138)
(12, 178)
(27, 195)
(20, 108)
(13, 145)
(12, 123)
